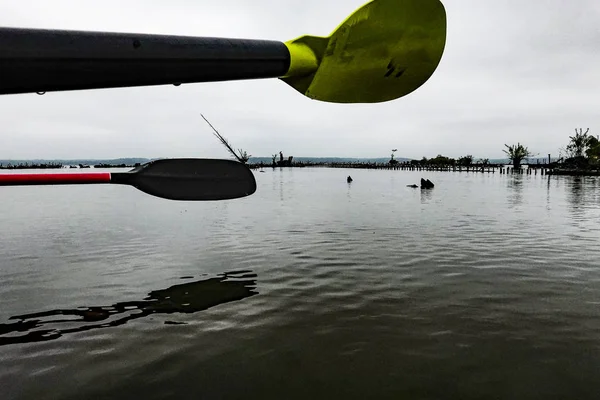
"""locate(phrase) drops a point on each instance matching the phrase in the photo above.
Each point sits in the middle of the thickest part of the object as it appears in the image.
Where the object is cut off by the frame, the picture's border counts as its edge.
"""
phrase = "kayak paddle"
(385, 50)
(173, 179)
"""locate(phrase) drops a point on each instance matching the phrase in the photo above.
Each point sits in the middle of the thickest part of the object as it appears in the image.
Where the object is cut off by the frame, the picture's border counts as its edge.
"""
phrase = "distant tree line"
(30, 166)
(441, 160)
(582, 151)
(103, 165)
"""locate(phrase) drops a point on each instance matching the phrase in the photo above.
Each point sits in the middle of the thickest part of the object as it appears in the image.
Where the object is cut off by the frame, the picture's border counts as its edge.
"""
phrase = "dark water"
(486, 287)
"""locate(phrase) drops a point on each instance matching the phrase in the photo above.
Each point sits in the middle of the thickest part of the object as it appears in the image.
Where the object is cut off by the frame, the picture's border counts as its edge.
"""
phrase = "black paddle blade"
(191, 179)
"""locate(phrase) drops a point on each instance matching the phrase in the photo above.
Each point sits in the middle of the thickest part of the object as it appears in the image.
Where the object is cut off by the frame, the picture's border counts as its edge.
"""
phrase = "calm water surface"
(486, 287)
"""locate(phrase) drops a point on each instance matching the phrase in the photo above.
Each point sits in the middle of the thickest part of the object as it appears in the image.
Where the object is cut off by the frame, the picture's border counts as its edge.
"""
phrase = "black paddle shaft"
(41, 60)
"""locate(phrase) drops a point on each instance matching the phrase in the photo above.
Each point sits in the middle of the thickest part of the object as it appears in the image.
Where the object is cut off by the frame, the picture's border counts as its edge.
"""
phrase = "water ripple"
(485, 287)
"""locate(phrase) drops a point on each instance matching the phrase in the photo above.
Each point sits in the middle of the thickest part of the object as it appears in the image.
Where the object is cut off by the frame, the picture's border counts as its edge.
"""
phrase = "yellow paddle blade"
(384, 50)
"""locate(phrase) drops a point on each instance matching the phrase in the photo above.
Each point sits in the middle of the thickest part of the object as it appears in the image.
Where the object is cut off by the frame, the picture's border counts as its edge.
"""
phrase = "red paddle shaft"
(54, 179)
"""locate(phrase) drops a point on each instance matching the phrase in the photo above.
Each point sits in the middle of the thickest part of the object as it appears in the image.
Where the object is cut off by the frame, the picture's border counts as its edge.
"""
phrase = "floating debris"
(426, 184)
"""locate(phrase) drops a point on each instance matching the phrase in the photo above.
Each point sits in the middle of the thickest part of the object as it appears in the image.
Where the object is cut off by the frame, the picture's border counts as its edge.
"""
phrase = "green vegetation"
(465, 161)
(593, 151)
(242, 157)
(123, 165)
(27, 165)
(439, 160)
(582, 151)
(516, 153)
(579, 143)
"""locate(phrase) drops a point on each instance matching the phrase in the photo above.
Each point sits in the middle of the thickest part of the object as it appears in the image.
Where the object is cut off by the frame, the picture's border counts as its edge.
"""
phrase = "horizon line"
(253, 157)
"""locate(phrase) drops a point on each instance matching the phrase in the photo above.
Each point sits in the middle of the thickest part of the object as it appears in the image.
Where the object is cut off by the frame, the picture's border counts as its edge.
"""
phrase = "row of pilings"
(531, 169)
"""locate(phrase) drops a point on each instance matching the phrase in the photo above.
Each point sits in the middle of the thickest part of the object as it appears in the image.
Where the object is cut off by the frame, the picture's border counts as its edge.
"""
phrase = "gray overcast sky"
(513, 70)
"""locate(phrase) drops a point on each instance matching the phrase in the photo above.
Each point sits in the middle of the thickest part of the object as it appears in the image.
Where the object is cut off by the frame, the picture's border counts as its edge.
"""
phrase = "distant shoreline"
(130, 161)
(544, 168)
(61, 166)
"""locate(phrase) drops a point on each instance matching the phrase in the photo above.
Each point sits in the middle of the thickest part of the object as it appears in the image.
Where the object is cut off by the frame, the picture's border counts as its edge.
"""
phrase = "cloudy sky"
(512, 70)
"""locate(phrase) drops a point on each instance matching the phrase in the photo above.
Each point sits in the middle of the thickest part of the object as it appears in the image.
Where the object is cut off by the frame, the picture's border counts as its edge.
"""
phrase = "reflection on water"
(576, 192)
(185, 298)
(582, 193)
(548, 193)
(515, 189)
(426, 195)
